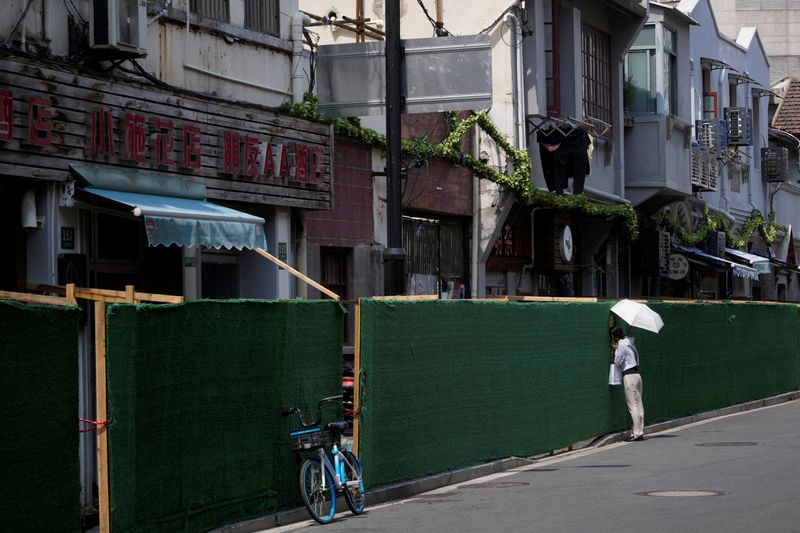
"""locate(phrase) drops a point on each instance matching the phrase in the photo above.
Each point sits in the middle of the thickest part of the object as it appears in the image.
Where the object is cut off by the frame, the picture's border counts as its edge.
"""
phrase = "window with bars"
(212, 9)
(262, 16)
(596, 59)
(551, 58)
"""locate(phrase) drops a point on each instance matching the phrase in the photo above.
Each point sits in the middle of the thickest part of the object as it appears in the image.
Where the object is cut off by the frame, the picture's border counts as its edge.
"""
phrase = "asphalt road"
(739, 473)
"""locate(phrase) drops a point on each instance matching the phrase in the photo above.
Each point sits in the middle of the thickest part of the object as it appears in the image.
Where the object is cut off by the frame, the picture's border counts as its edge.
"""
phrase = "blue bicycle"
(320, 477)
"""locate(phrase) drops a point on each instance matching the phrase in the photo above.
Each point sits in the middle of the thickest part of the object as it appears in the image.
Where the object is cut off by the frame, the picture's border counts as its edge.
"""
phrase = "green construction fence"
(41, 487)
(446, 384)
(196, 393)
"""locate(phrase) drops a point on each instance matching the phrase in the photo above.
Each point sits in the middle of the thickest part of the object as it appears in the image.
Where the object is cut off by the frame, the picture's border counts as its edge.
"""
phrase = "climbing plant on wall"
(767, 229)
(449, 149)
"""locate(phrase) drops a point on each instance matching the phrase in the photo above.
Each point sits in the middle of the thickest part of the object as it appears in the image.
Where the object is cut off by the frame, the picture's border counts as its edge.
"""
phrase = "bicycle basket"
(307, 439)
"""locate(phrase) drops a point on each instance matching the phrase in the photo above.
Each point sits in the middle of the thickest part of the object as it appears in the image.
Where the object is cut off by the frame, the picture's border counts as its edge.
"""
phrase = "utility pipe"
(518, 90)
(723, 192)
(299, 19)
(476, 218)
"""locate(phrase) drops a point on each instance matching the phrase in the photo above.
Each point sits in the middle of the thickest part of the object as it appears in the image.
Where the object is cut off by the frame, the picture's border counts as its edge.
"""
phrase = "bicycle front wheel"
(353, 492)
(320, 502)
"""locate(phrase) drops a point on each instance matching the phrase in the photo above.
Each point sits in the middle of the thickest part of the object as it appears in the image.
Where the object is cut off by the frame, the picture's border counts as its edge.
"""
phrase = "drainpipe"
(753, 128)
(299, 19)
(476, 219)
(518, 89)
(723, 193)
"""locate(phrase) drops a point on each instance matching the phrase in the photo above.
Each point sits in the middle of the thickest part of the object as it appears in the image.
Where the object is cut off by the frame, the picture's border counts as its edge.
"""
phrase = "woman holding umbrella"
(626, 358)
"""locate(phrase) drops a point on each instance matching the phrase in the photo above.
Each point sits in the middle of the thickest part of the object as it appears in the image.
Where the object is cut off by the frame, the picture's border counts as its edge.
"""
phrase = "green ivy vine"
(420, 150)
(768, 229)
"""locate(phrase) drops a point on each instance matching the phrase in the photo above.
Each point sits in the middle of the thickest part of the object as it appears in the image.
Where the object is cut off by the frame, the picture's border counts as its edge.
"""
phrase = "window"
(670, 72)
(640, 73)
(551, 58)
(262, 16)
(596, 56)
(733, 100)
(212, 9)
(642, 85)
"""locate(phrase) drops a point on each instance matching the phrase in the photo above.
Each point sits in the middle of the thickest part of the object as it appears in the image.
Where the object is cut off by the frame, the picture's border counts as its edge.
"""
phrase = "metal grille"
(596, 54)
(213, 9)
(774, 164)
(712, 172)
(421, 242)
(739, 121)
(434, 248)
(451, 244)
(262, 16)
(664, 249)
(711, 134)
(698, 156)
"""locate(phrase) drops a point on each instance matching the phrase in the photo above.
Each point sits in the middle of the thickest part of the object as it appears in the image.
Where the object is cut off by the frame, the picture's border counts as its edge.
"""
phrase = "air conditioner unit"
(118, 28)
(774, 164)
(711, 172)
(714, 243)
(705, 171)
(740, 126)
(712, 134)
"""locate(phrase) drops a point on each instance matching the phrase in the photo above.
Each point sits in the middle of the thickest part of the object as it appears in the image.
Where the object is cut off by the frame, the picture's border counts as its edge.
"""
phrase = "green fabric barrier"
(711, 355)
(196, 393)
(446, 384)
(40, 489)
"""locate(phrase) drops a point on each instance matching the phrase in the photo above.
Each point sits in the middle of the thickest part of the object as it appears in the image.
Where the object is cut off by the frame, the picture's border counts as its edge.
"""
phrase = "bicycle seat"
(337, 427)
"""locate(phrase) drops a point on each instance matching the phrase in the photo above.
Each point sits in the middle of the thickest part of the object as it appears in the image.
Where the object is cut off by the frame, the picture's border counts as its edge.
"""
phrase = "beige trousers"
(633, 397)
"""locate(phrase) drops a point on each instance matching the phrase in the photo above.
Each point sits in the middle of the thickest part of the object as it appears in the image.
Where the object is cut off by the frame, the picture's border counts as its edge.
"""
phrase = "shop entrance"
(118, 255)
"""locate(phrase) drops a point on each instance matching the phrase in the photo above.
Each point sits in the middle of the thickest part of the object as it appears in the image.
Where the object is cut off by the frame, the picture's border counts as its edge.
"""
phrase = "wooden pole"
(356, 379)
(296, 273)
(37, 298)
(101, 415)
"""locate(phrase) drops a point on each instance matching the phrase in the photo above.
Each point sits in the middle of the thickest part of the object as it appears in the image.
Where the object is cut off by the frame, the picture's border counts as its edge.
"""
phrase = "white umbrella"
(638, 315)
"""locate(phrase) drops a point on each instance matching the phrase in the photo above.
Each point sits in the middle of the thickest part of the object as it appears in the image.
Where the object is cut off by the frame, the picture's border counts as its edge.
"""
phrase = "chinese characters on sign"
(130, 136)
(40, 130)
(245, 155)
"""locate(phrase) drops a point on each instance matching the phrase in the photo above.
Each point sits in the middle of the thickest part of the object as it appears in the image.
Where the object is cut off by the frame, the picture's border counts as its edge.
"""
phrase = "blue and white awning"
(738, 270)
(174, 208)
(189, 222)
(761, 264)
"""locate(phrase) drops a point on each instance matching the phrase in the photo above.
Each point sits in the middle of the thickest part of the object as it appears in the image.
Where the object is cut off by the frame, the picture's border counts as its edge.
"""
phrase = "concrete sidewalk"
(407, 489)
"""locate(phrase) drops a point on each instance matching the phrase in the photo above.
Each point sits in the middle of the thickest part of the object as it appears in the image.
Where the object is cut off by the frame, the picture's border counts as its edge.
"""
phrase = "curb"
(407, 489)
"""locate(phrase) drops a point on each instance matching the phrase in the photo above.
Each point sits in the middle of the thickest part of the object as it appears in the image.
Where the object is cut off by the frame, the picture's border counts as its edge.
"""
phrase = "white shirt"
(626, 356)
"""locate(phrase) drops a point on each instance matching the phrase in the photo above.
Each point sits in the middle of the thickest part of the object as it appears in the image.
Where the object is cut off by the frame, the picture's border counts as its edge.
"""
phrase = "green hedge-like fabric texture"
(452, 383)
(196, 393)
(40, 489)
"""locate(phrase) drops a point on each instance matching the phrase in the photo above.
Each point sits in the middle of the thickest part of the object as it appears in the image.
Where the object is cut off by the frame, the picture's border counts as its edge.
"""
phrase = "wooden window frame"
(596, 74)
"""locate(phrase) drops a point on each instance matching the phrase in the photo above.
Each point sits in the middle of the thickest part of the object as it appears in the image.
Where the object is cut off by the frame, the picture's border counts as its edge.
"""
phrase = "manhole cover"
(745, 443)
(494, 485)
(681, 493)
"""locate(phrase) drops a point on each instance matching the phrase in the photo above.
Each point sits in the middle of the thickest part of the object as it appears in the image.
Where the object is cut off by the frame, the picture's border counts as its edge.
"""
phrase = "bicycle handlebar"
(299, 413)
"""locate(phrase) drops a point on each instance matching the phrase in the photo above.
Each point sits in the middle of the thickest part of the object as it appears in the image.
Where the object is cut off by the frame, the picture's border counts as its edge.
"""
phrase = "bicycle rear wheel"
(321, 503)
(353, 494)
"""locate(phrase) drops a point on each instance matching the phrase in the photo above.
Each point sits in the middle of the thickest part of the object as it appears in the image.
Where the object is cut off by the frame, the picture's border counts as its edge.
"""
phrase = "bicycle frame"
(326, 462)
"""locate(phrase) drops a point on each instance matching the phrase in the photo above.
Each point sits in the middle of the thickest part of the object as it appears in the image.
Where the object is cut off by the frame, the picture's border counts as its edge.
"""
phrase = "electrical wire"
(438, 27)
(499, 18)
(19, 21)
(77, 11)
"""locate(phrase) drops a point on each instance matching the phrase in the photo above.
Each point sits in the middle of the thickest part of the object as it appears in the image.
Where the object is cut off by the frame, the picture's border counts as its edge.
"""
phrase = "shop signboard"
(50, 117)
(678, 266)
